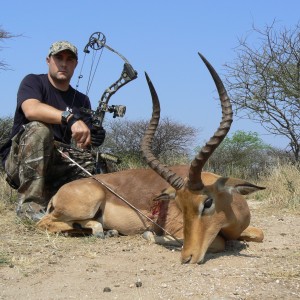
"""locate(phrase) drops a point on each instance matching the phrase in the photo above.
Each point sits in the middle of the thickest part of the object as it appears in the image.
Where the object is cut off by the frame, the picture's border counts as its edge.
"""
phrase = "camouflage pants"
(38, 169)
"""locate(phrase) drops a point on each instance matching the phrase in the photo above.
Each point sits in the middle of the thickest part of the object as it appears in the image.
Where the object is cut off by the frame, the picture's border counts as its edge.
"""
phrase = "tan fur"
(88, 203)
(229, 217)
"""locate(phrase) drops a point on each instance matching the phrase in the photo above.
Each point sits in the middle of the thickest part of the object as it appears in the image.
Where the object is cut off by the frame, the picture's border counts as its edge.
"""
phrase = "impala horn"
(194, 179)
(172, 178)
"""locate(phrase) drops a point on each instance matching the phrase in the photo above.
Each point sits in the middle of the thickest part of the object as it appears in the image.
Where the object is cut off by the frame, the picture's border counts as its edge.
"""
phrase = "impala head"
(202, 216)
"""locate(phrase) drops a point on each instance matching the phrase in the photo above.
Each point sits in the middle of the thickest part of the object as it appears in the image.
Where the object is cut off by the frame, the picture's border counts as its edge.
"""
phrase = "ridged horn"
(172, 178)
(194, 179)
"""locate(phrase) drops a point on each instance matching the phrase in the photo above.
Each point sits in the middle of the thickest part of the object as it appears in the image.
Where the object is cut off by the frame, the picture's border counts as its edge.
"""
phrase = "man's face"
(62, 65)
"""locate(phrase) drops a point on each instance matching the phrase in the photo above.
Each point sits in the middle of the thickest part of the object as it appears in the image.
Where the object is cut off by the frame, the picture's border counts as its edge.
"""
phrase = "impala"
(201, 209)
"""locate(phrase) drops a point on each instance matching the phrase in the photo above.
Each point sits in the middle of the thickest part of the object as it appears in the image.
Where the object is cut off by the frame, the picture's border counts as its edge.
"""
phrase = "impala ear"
(166, 194)
(248, 188)
(238, 185)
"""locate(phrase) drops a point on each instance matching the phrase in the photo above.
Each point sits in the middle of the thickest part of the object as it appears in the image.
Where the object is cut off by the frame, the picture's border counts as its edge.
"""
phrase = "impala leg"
(252, 234)
(165, 240)
(49, 223)
(97, 228)
(218, 245)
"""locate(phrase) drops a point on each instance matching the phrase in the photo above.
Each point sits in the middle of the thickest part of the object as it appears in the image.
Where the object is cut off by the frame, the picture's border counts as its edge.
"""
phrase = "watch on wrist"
(64, 117)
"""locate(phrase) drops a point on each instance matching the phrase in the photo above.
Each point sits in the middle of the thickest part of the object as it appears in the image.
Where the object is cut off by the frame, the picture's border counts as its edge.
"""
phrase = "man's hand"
(81, 134)
(34, 110)
(97, 136)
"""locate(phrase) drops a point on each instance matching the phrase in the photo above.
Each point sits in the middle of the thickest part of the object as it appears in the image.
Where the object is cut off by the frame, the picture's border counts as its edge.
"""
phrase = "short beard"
(60, 81)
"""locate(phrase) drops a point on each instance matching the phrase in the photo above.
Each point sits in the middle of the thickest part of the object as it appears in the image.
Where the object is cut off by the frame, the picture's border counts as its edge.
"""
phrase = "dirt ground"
(34, 265)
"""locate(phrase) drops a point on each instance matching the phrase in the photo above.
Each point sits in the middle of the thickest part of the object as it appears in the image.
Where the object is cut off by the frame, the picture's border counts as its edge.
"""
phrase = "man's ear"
(47, 60)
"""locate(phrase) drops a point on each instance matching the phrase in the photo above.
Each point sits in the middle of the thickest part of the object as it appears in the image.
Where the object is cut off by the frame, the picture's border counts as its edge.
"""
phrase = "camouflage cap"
(61, 46)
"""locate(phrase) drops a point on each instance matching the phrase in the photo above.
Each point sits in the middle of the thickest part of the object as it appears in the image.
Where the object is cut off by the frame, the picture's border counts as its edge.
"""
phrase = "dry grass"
(38, 265)
(283, 186)
(8, 196)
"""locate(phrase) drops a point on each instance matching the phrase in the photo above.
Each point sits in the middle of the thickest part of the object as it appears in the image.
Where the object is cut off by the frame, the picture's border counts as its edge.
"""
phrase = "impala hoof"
(111, 233)
(99, 235)
(149, 236)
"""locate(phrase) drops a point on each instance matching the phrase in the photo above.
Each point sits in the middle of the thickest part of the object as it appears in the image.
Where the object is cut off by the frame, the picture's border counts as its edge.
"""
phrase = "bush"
(242, 155)
(171, 144)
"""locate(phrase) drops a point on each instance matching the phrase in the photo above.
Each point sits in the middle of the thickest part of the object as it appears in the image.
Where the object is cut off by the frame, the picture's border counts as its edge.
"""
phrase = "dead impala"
(204, 208)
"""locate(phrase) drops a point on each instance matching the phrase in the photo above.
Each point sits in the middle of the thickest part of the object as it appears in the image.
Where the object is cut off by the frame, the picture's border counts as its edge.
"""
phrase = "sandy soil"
(34, 265)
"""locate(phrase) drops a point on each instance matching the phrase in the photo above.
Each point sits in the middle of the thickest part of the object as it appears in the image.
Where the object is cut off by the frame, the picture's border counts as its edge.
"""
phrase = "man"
(48, 110)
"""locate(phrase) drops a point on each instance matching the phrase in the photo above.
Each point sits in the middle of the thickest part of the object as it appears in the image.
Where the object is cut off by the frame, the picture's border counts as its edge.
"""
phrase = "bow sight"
(98, 114)
(96, 42)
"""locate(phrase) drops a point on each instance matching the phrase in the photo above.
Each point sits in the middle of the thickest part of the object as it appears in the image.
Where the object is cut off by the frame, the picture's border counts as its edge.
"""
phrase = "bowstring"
(92, 73)
(90, 78)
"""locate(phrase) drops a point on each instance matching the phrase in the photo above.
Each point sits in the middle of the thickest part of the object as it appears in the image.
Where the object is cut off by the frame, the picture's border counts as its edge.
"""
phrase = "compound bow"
(96, 42)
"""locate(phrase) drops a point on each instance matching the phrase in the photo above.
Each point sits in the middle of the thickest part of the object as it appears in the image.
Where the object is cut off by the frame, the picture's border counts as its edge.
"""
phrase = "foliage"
(171, 143)
(242, 155)
(6, 124)
(264, 82)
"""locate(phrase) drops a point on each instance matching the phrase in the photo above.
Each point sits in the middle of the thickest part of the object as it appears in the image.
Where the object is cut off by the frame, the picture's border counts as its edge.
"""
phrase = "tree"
(171, 143)
(241, 155)
(264, 82)
(4, 35)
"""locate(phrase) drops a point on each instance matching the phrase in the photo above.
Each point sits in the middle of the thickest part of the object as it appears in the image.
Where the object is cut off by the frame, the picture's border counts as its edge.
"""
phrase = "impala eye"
(207, 203)
(207, 207)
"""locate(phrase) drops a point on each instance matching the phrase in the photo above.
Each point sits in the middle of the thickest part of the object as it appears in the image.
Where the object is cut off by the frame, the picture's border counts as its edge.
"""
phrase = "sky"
(160, 37)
